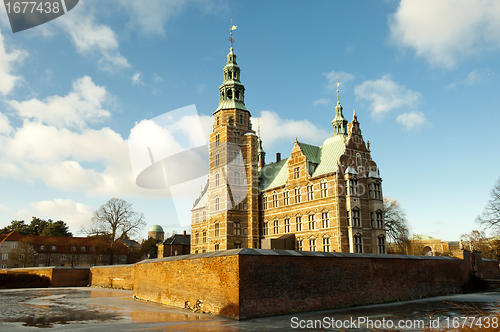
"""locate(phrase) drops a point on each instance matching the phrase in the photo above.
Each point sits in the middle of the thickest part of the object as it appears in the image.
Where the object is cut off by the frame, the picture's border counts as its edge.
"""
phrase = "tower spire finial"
(231, 39)
(258, 127)
(338, 94)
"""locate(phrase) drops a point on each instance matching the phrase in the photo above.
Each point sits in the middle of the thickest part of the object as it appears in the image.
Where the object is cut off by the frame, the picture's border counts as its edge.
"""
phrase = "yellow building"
(326, 198)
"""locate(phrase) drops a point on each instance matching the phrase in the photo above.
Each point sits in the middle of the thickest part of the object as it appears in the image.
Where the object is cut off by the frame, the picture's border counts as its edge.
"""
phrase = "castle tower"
(226, 214)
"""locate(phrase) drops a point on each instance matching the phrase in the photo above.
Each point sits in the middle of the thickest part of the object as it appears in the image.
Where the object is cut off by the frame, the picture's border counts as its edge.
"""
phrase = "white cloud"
(5, 127)
(333, 76)
(446, 31)
(157, 78)
(7, 63)
(275, 129)
(83, 104)
(89, 37)
(412, 120)
(475, 77)
(322, 101)
(386, 95)
(152, 15)
(72, 213)
(137, 79)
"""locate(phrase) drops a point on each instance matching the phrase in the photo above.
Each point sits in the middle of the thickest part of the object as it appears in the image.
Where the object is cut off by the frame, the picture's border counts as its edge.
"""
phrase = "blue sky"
(422, 76)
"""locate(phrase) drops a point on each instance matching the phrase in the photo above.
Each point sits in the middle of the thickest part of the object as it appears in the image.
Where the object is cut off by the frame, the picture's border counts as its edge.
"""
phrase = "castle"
(326, 198)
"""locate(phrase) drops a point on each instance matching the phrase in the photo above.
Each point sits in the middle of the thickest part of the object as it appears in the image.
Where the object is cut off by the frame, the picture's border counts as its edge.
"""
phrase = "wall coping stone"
(111, 266)
(272, 252)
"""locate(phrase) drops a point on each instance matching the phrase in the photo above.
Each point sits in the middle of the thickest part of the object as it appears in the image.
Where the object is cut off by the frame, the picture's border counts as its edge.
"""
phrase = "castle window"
(376, 190)
(312, 224)
(324, 191)
(63, 257)
(196, 251)
(310, 192)
(217, 121)
(54, 248)
(300, 245)
(324, 217)
(216, 227)
(216, 247)
(5, 257)
(204, 215)
(348, 219)
(237, 228)
(358, 247)
(326, 244)
(229, 94)
(197, 218)
(217, 136)
(42, 247)
(204, 237)
(197, 238)
(217, 180)
(241, 118)
(353, 187)
(217, 203)
(237, 177)
(380, 220)
(237, 201)
(356, 221)
(237, 245)
(73, 248)
(245, 231)
(312, 245)
(237, 95)
(381, 245)
(297, 195)
(275, 199)
(266, 228)
(364, 155)
(216, 159)
(296, 172)
(286, 198)
(276, 227)
(236, 137)
(287, 225)
(358, 159)
(264, 200)
(372, 220)
(298, 222)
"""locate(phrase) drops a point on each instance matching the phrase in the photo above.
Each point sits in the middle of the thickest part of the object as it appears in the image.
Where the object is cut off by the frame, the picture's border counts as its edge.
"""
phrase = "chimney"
(184, 233)
(278, 157)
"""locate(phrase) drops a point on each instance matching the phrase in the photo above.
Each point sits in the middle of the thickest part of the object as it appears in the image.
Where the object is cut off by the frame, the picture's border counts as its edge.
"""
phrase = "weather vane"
(231, 39)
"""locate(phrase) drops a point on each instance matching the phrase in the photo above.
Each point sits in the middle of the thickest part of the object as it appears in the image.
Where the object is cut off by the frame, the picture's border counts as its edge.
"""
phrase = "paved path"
(98, 309)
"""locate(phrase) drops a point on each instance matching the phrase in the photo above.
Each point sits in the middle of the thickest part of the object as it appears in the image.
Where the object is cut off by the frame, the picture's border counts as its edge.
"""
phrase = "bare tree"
(396, 227)
(24, 254)
(490, 218)
(116, 220)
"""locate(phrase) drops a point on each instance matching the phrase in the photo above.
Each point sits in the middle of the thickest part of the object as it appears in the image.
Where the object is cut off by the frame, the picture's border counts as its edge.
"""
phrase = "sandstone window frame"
(287, 225)
(298, 194)
(312, 222)
(312, 244)
(298, 223)
(237, 228)
(310, 192)
(323, 187)
(286, 197)
(216, 229)
(381, 244)
(324, 219)
(326, 244)
(276, 226)
(358, 243)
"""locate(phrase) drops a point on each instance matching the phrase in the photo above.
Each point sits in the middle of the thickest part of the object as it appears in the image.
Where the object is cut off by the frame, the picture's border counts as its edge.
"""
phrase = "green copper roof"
(230, 104)
(331, 150)
(156, 228)
(322, 160)
(202, 202)
(273, 175)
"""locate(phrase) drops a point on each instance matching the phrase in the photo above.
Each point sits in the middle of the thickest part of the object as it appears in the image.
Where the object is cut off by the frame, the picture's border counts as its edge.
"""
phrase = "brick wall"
(273, 285)
(116, 276)
(59, 276)
(180, 279)
(246, 283)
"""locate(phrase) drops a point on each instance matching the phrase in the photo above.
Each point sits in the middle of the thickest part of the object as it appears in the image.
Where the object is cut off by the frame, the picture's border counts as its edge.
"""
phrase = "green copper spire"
(231, 92)
(339, 123)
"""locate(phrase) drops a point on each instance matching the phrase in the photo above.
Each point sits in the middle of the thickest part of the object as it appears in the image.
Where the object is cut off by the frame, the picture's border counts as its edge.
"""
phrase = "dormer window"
(296, 172)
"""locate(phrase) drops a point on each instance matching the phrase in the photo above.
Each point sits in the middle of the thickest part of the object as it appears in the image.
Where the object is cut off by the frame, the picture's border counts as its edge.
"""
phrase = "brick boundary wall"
(248, 283)
(113, 276)
(59, 276)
